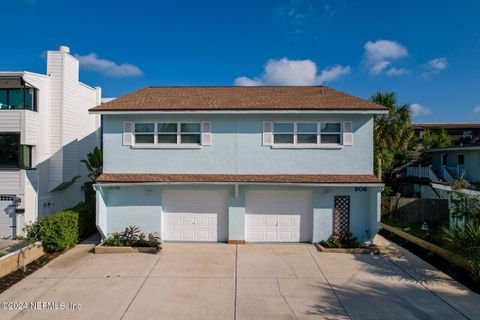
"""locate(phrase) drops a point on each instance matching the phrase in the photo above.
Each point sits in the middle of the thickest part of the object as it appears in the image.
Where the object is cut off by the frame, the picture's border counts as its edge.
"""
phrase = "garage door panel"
(278, 216)
(203, 215)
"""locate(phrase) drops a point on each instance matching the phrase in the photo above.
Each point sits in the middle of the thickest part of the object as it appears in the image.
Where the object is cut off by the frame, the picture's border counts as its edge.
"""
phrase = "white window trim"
(178, 145)
(296, 145)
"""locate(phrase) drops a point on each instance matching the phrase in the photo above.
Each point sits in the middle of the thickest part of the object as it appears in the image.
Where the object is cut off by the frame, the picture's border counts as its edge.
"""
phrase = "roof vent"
(64, 49)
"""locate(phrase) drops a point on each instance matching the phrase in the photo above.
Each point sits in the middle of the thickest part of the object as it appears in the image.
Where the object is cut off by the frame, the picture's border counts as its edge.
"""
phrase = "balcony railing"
(18, 99)
(422, 172)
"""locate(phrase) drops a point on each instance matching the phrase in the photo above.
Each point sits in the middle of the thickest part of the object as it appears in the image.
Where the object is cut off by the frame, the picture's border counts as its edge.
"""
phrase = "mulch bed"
(435, 260)
(14, 277)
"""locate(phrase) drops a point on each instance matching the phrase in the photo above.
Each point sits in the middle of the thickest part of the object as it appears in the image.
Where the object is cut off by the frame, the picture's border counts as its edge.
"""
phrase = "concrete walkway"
(219, 281)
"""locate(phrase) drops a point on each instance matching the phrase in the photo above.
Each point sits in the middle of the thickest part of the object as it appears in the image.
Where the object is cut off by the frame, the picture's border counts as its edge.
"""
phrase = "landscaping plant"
(342, 240)
(132, 237)
(465, 241)
(63, 229)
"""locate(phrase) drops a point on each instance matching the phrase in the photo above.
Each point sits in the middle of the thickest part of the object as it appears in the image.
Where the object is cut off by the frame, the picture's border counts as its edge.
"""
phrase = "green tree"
(436, 140)
(392, 132)
(94, 165)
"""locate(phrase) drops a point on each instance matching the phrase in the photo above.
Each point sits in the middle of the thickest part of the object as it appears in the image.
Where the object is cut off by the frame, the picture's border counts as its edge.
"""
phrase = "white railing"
(422, 172)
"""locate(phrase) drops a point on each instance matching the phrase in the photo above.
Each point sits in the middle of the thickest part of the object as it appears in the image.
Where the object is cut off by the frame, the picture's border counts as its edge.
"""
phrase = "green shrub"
(59, 231)
(86, 219)
(465, 241)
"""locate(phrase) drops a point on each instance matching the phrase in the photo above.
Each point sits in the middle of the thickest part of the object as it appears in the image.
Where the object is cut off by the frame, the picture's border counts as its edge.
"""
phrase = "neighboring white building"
(45, 130)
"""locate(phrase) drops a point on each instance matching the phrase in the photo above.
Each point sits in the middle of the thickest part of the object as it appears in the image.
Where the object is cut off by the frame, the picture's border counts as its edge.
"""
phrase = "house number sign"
(361, 189)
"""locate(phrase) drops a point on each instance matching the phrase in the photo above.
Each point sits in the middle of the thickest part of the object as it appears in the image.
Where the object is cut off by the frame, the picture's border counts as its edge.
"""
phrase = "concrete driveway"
(219, 281)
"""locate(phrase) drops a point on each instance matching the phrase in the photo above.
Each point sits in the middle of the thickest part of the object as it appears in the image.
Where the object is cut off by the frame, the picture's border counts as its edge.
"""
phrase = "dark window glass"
(306, 138)
(461, 159)
(283, 127)
(16, 98)
(26, 157)
(307, 127)
(330, 138)
(167, 127)
(30, 99)
(167, 138)
(144, 127)
(144, 138)
(190, 127)
(3, 99)
(330, 127)
(282, 138)
(9, 147)
(190, 138)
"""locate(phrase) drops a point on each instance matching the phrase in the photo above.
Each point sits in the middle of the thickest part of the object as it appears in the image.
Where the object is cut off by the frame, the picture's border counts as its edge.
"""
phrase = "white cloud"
(435, 66)
(92, 62)
(379, 55)
(287, 72)
(397, 72)
(419, 110)
(476, 109)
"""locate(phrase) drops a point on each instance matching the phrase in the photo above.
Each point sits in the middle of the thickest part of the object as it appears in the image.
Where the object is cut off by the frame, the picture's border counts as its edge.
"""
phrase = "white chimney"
(64, 49)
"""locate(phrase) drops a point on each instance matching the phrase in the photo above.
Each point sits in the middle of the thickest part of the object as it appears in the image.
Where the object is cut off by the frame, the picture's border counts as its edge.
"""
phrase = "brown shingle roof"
(235, 178)
(237, 98)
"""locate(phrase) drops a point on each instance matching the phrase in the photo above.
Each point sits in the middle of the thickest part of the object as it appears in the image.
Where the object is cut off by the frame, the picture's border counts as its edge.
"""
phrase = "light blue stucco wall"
(141, 205)
(237, 148)
(472, 162)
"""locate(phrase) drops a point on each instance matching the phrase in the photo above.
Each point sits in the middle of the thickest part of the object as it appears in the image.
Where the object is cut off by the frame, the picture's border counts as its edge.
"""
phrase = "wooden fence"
(414, 210)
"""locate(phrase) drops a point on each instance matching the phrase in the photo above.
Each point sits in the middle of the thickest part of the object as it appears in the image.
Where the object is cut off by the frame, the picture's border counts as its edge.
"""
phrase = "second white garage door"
(195, 215)
(278, 216)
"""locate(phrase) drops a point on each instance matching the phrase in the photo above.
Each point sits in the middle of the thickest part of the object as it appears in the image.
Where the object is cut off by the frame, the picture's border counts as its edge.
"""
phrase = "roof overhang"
(114, 184)
(217, 111)
(119, 179)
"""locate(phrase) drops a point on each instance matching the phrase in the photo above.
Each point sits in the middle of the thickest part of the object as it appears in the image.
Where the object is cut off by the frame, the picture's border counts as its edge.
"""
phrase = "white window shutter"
(347, 133)
(127, 133)
(206, 133)
(267, 133)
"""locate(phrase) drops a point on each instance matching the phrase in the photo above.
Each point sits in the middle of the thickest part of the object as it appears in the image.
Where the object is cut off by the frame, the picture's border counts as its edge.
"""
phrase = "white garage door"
(195, 215)
(278, 216)
(7, 216)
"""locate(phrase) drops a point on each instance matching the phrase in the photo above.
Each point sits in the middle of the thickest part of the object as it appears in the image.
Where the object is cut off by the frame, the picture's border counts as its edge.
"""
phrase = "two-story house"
(236, 164)
(45, 130)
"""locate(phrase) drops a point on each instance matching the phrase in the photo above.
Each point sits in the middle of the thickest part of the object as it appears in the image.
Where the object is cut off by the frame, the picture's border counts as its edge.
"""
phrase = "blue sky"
(428, 52)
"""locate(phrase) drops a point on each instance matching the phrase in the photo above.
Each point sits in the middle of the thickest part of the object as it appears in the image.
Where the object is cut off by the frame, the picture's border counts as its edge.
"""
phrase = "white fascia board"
(100, 185)
(245, 112)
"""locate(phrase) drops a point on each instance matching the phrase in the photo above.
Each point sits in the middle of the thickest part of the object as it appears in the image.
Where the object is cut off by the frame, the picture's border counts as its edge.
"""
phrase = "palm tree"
(94, 163)
(392, 131)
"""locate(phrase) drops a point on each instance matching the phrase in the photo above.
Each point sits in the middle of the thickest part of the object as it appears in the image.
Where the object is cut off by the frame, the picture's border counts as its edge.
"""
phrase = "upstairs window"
(144, 133)
(330, 133)
(168, 133)
(9, 150)
(18, 98)
(12, 154)
(283, 133)
(190, 133)
(307, 133)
